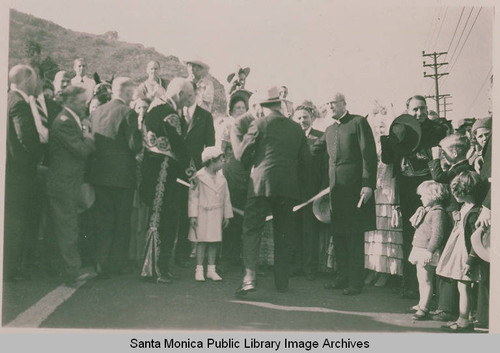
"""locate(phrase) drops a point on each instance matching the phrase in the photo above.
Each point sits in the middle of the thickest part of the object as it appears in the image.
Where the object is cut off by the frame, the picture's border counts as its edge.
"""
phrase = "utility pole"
(436, 75)
(446, 104)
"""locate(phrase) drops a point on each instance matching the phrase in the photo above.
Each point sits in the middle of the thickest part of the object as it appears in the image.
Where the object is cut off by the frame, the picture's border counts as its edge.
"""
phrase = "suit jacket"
(277, 148)
(164, 138)
(68, 153)
(319, 167)
(200, 134)
(117, 141)
(23, 143)
(352, 165)
(486, 173)
(53, 110)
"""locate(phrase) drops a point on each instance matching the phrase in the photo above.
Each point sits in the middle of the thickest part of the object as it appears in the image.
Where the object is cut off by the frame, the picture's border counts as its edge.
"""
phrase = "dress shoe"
(443, 316)
(282, 289)
(102, 276)
(335, 285)
(169, 275)
(454, 327)
(79, 279)
(245, 288)
(421, 315)
(163, 280)
(351, 291)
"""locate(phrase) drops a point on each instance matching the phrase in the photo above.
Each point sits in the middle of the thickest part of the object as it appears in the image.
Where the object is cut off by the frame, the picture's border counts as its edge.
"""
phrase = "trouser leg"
(105, 215)
(65, 226)
(284, 235)
(253, 225)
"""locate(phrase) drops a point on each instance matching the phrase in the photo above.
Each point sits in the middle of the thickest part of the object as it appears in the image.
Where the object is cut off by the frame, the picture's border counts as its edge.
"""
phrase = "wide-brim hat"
(239, 94)
(198, 62)
(480, 241)
(322, 209)
(482, 123)
(86, 198)
(245, 70)
(406, 132)
(270, 97)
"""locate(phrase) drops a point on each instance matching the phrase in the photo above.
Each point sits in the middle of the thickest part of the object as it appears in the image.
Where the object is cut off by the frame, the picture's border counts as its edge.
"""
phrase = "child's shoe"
(421, 315)
(198, 275)
(211, 274)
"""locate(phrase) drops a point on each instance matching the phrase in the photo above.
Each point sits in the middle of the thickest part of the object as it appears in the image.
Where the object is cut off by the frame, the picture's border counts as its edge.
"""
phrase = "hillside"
(104, 53)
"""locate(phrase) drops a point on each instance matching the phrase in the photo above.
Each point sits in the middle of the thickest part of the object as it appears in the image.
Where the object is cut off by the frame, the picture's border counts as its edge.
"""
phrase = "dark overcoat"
(200, 134)
(352, 165)
(279, 155)
(117, 141)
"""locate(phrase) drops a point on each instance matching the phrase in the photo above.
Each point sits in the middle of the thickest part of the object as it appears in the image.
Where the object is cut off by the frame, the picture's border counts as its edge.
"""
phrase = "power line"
(440, 27)
(463, 45)
(434, 27)
(431, 27)
(455, 32)
(480, 90)
(461, 35)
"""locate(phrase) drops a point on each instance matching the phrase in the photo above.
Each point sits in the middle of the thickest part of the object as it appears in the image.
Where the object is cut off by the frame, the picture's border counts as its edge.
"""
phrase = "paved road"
(126, 302)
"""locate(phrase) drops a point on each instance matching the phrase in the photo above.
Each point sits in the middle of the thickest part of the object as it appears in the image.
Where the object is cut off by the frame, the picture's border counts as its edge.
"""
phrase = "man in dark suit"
(70, 145)
(200, 134)
(411, 170)
(166, 158)
(113, 173)
(23, 155)
(351, 149)
(306, 245)
(277, 149)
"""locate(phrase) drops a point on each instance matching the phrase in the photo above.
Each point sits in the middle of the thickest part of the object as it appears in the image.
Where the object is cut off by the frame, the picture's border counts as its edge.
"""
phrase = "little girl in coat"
(209, 211)
(457, 260)
(431, 222)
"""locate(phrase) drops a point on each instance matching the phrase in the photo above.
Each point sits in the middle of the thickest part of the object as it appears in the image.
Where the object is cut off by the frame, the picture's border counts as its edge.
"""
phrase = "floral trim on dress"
(151, 266)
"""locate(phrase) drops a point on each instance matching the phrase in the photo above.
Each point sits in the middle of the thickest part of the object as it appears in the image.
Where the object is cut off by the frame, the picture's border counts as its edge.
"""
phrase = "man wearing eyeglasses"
(352, 156)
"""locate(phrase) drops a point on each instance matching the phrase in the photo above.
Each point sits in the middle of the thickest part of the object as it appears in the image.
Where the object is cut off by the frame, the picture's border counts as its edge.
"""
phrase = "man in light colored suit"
(70, 145)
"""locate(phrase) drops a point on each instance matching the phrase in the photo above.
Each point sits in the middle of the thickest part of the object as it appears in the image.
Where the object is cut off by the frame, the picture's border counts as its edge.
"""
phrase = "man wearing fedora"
(352, 155)
(408, 148)
(198, 74)
(277, 150)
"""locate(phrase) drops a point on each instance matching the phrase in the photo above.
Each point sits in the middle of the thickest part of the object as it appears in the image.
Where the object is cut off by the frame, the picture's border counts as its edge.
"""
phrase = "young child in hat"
(209, 211)
(457, 259)
(431, 223)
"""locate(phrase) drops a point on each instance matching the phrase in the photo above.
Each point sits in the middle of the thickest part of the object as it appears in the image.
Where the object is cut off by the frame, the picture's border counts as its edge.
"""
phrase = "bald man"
(113, 173)
(23, 154)
(166, 158)
(350, 146)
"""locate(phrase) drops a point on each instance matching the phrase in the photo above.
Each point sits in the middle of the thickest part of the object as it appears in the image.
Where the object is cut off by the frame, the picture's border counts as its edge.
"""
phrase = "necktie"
(43, 115)
(42, 130)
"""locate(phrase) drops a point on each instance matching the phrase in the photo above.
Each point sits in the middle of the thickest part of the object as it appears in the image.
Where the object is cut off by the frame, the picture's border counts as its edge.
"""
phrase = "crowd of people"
(121, 177)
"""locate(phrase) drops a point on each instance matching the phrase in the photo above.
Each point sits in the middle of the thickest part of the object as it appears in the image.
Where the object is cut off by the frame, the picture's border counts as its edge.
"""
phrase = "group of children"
(442, 250)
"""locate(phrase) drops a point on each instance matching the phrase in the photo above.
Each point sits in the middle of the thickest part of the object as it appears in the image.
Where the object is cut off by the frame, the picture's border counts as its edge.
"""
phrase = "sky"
(316, 48)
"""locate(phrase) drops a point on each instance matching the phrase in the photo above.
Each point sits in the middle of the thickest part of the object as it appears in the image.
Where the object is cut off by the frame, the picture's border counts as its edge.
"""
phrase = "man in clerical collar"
(350, 146)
